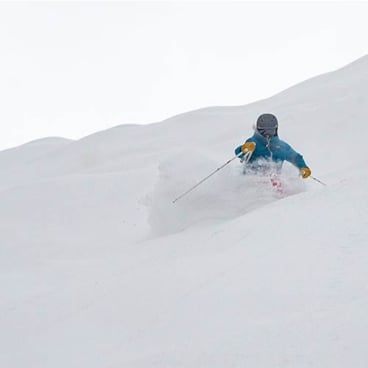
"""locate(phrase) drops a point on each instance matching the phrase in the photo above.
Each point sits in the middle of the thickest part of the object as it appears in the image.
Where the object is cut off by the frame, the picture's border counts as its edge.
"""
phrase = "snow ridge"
(100, 269)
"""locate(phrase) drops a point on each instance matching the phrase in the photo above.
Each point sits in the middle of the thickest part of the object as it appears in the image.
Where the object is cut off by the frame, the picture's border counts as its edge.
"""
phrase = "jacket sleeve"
(294, 157)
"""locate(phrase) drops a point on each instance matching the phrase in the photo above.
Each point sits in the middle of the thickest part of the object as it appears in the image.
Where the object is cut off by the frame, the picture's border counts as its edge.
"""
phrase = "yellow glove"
(305, 172)
(248, 147)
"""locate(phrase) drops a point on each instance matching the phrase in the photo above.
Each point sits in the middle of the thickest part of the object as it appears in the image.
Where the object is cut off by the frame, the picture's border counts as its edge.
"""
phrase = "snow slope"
(98, 268)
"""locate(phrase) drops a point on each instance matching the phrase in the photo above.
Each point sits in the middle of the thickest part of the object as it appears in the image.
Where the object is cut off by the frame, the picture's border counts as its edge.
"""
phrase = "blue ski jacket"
(271, 149)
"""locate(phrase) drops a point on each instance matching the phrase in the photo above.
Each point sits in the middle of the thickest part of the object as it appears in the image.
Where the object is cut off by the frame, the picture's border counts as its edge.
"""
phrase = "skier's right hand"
(248, 147)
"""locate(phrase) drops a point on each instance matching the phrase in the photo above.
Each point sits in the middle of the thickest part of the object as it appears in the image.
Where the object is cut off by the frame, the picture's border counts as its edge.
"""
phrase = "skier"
(265, 152)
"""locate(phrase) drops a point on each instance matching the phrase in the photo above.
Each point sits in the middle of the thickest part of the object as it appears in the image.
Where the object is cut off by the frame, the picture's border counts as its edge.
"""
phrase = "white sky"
(73, 68)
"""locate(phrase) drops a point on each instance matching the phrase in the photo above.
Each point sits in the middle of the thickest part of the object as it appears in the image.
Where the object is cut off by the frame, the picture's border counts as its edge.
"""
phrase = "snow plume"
(226, 194)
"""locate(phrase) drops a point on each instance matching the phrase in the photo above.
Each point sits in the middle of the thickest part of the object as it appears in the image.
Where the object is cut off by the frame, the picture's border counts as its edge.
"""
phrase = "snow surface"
(98, 268)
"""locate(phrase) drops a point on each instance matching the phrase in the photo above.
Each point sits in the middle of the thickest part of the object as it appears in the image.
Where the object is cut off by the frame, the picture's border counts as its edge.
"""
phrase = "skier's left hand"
(305, 172)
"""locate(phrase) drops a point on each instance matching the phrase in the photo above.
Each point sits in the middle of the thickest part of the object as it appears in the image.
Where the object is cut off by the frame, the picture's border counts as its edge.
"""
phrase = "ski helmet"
(267, 125)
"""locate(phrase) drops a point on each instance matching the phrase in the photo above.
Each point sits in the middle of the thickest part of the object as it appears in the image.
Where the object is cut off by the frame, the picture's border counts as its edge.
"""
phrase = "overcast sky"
(73, 68)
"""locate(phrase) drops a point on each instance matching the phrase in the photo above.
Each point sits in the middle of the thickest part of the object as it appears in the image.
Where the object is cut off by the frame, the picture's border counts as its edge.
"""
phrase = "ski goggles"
(267, 131)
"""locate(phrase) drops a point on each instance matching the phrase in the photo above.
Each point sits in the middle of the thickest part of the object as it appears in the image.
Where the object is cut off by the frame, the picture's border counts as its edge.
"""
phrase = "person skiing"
(265, 152)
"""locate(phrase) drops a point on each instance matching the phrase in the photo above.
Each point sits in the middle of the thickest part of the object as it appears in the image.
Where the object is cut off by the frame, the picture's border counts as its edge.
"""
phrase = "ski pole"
(207, 177)
(247, 157)
(317, 180)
